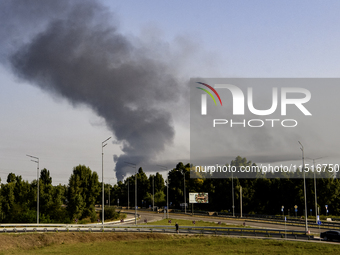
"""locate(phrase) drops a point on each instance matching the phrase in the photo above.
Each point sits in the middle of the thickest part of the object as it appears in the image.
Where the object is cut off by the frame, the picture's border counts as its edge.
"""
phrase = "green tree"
(45, 177)
(11, 178)
(83, 190)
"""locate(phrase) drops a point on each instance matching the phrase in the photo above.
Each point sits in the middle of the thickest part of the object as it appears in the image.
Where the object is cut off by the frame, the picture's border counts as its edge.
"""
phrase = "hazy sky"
(176, 40)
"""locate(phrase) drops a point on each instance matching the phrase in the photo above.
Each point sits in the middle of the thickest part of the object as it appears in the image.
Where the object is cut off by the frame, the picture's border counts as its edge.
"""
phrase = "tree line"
(77, 200)
(265, 194)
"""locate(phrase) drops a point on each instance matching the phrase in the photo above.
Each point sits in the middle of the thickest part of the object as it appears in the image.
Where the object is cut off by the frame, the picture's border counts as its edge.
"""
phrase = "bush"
(28, 216)
(110, 213)
(93, 216)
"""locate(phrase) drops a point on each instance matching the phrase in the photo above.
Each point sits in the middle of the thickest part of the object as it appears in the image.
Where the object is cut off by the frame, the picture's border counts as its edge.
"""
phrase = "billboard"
(198, 198)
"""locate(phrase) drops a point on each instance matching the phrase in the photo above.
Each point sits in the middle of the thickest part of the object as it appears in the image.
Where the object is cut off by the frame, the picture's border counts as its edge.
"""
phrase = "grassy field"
(132, 243)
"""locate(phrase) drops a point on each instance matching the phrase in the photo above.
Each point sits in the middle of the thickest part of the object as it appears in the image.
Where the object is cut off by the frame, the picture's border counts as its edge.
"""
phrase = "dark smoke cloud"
(79, 55)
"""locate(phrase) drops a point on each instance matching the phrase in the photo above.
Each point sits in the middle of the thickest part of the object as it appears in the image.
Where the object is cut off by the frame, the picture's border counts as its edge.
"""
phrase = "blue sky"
(251, 38)
(216, 38)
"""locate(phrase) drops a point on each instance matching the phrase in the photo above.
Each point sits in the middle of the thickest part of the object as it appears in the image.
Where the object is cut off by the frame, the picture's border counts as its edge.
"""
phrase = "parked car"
(331, 235)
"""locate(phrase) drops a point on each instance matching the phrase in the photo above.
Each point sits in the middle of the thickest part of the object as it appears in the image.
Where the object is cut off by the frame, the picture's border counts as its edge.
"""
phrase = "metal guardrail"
(16, 228)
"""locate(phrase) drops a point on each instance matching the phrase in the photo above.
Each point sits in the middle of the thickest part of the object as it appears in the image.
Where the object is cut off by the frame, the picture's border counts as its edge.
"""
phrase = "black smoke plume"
(80, 55)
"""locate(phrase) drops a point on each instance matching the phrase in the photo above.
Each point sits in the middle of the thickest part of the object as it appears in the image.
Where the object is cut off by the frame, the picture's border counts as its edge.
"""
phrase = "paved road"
(152, 216)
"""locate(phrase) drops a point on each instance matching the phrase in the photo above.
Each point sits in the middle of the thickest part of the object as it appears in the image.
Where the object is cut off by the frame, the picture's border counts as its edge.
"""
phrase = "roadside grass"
(173, 244)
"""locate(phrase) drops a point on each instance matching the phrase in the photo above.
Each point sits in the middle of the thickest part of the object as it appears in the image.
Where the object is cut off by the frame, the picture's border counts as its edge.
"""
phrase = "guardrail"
(16, 228)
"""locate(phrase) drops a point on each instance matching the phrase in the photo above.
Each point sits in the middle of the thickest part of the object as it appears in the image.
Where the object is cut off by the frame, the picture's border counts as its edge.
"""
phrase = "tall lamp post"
(232, 192)
(167, 190)
(316, 199)
(304, 185)
(36, 160)
(103, 145)
(185, 196)
(134, 166)
(241, 200)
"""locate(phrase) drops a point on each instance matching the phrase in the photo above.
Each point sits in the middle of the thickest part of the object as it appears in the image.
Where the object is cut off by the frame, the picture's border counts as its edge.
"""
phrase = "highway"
(253, 229)
(153, 216)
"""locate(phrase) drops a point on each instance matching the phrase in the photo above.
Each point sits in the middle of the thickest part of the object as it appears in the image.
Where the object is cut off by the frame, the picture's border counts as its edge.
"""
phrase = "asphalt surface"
(153, 216)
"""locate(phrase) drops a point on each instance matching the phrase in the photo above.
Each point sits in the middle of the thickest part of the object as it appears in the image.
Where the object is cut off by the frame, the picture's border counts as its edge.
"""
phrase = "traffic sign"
(319, 222)
(169, 221)
(295, 210)
(165, 207)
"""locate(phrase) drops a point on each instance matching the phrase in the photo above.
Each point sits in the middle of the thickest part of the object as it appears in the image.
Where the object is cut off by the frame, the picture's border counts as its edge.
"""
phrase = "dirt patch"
(38, 240)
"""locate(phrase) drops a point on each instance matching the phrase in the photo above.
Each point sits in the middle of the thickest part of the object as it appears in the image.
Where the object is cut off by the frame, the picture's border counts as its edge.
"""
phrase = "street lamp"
(232, 192)
(36, 161)
(167, 191)
(241, 200)
(167, 196)
(153, 193)
(103, 145)
(304, 185)
(316, 199)
(185, 197)
(134, 166)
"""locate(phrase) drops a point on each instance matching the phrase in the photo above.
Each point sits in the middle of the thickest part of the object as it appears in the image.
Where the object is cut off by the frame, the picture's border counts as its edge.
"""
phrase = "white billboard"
(198, 198)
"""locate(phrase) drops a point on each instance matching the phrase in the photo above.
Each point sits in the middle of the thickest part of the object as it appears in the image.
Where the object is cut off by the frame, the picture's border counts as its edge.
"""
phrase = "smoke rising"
(80, 56)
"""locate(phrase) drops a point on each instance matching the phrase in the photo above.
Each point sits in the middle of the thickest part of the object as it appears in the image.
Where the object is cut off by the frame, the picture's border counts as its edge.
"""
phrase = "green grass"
(177, 244)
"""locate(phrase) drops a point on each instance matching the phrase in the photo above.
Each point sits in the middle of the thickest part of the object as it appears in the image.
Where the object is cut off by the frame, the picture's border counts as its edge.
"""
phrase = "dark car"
(331, 235)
